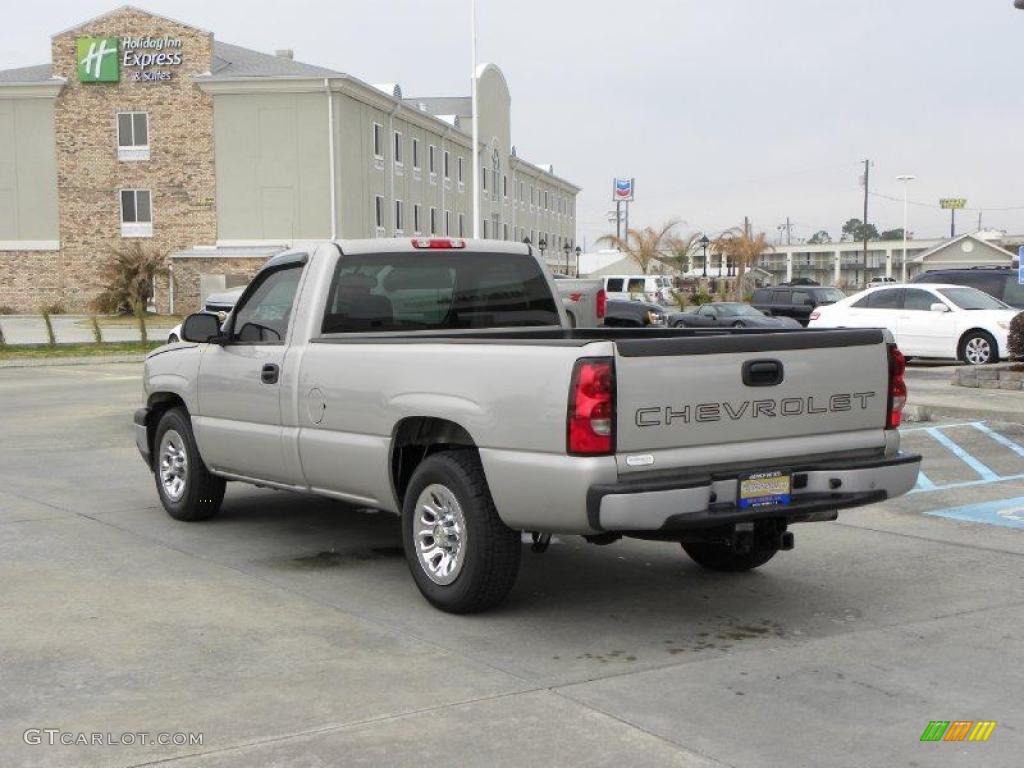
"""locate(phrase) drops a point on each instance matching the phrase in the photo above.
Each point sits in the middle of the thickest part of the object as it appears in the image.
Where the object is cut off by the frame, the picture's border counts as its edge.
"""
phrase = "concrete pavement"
(288, 631)
(68, 329)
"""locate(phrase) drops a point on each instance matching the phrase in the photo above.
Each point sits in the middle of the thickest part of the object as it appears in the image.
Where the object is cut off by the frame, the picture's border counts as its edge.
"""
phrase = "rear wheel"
(463, 558)
(978, 348)
(187, 489)
(722, 557)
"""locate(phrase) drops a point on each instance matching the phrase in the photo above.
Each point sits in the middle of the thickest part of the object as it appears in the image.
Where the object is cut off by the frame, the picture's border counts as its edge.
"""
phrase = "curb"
(46, 362)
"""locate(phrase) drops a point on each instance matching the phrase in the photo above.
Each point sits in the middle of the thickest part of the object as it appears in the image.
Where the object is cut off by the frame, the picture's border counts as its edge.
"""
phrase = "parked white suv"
(656, 288)
(928, 320)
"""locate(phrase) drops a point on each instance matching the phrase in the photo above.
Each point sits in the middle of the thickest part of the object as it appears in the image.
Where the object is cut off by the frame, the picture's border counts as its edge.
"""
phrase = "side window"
(916, 299)
(267, 311)
(891, 298)
(1013, 292)
(614, 285)
(802, 298)
(761, 296)
(862, 303)
(781, 297)
(636, 285)
(706, 311)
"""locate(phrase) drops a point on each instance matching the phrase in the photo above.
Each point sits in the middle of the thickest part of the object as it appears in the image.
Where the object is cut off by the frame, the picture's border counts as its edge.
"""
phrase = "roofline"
(520, 161)
(972, 236)
(41, 89)
(135, 8)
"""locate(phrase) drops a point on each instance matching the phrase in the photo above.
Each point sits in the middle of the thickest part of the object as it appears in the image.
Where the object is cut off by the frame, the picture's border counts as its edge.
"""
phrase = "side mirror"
(938, 306)
(201, 328)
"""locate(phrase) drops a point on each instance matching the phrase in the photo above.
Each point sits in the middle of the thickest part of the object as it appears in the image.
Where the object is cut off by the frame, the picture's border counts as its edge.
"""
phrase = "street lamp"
(704, 243)
(906, 179)
(578, 252)
(543, 245)
(567, 249)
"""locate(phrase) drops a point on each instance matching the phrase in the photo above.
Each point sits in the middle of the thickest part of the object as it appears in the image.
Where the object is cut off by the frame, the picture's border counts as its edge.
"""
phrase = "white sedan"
(927, 320)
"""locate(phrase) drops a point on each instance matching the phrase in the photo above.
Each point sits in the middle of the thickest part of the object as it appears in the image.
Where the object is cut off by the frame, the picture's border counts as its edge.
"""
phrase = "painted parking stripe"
(983, 472)
(1005, 512)
(923, 483)
(1001, 439)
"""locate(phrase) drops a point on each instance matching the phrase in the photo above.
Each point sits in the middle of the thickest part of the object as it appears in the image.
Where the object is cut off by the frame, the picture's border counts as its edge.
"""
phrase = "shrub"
(51, 339)
(55, 309)
(128, 278)
(703, 297)
(3, 341)
(97, 332)
(6, 309)
(1016, 337)
(680, 299)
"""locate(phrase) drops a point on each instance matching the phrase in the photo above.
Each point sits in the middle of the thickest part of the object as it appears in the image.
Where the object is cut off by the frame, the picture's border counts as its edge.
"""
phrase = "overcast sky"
(719, 108)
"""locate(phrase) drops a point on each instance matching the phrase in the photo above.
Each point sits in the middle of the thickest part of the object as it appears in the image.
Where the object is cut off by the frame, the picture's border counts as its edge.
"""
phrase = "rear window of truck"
(437, 291)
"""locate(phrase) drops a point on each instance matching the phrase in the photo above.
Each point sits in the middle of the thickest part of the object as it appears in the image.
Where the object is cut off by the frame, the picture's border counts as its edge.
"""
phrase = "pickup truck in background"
(584, 300)
(439, 380)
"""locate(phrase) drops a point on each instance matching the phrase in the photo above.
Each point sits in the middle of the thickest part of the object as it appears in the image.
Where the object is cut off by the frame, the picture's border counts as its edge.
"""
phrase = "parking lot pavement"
(288, 631)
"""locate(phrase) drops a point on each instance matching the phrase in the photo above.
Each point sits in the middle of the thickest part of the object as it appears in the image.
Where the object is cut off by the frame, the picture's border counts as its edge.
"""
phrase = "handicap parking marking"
(1008, 513)
(983, 473)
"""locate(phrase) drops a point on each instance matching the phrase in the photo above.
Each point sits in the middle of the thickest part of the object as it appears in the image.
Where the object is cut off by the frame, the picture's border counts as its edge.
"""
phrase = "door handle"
(762, 373)
(270, 373)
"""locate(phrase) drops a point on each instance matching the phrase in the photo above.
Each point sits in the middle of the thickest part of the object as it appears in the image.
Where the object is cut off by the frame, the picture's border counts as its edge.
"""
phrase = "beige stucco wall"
(28, 170)
(272, 166)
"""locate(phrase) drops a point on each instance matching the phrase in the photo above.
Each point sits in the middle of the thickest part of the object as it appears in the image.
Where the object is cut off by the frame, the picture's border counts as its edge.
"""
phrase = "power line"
(939, 208)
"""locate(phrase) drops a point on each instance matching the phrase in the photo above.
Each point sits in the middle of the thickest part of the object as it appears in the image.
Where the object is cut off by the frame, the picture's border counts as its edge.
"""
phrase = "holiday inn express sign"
(144, 59)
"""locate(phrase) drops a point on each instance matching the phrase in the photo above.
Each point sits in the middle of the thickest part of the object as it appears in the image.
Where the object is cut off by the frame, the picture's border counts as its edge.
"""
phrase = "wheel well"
(965, 334)
(416, 438)
(159, 403)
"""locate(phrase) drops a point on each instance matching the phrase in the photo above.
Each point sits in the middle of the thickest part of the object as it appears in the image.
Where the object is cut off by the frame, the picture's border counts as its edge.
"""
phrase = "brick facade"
(179, 173)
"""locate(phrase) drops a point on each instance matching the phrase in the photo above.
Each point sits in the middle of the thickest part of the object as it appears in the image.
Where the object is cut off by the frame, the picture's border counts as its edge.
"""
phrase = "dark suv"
(796, 301)
(1000, 282)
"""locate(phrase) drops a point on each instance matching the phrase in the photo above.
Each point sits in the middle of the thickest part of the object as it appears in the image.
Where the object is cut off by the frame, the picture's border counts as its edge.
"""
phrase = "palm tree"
(743, 249)
(644, 246)
(681, 250)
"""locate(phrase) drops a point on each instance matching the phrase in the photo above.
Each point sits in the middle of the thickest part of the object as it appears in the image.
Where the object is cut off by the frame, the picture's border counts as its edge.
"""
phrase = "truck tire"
(720, 557)
(978, 348)
(187, 489)
(462, 557)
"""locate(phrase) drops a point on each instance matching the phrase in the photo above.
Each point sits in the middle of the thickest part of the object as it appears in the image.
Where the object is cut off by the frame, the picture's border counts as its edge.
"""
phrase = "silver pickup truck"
(439, 380)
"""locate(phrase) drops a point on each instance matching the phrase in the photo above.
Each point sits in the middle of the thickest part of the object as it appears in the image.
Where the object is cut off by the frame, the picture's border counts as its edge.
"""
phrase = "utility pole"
(618, 219)
(867, 181)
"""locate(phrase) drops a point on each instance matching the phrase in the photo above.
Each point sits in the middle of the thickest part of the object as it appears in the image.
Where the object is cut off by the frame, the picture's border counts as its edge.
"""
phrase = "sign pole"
(618, 219)
(952, 223)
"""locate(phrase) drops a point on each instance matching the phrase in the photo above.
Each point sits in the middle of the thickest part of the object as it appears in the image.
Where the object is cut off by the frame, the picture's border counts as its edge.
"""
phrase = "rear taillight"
(897, 387)
(815, 315)
(591, 420)
(602, 304)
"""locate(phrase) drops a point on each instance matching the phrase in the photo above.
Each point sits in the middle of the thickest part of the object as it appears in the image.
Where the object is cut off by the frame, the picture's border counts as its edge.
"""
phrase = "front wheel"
(978, 348)
(462, 557)
(722, 557)
(187, 489)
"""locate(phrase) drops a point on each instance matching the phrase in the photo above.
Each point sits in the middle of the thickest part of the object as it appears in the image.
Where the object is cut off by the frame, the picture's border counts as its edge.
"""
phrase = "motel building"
(143, 129)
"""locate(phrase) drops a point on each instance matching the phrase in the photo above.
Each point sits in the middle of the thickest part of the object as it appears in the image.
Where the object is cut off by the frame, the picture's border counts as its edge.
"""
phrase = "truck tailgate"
(706, 391)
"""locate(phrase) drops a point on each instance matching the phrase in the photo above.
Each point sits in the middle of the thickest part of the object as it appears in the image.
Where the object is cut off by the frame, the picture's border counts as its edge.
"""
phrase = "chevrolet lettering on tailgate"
(753, 409)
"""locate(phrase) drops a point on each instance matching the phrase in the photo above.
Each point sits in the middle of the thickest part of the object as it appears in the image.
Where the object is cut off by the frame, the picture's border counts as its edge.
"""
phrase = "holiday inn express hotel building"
(143, 129)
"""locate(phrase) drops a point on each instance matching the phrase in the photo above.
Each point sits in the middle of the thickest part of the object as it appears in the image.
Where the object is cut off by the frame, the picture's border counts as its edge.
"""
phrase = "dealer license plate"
(765, 489)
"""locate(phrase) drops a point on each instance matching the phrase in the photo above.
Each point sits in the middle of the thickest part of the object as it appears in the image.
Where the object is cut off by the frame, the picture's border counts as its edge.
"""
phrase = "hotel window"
(546, 200)
(504, 188)
(132, 136)
(485, 229)
(461, 177)
(505, 231)
(399, 157)
(416, 219)
(484, 172)
(378, 211)
(378, 141)
(433, 221)
(462, 222)
(416, 154)
(432, 163)
(136, 213)
(447, 173)
(399, 217)
(447, 223)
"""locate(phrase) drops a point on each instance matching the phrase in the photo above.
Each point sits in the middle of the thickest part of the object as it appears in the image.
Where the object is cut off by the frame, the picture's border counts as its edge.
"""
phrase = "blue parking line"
(923, 483)
(983, 472)
(1005, 512)
(967, 484)
(1001, 439)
